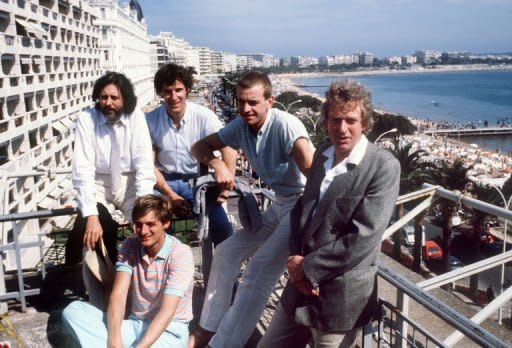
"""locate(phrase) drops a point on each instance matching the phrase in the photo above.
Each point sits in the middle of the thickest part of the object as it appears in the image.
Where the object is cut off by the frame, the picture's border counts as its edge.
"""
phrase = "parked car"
(494, 248)
(407, 235)
(432, 251)
(454, 263)
(486, 238)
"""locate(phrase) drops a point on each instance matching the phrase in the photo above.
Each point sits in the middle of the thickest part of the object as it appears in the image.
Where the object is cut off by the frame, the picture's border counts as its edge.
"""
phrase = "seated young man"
(157, 270)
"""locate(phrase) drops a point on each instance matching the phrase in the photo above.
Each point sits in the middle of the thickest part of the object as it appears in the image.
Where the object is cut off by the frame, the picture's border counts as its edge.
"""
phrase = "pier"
(452, 132)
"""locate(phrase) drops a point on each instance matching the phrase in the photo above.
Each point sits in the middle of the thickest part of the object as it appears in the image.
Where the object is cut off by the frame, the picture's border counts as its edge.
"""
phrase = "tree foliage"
(307, 101)
(385, 122)
(507, 187)
(414, 171)
(451, 176)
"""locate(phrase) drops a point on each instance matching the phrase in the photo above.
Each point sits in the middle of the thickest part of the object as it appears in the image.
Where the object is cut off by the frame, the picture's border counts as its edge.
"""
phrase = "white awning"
(37, 60)
(25, 60)
(67, 122)
(33, 28)
(59, 127)
(46, 203)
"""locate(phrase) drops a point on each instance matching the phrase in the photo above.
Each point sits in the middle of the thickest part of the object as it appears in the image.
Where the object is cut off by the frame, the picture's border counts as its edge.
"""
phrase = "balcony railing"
(395, 327)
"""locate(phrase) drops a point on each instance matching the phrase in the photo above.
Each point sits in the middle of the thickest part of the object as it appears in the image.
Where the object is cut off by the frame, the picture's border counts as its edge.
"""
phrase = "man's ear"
(166, 225)
(271, 100)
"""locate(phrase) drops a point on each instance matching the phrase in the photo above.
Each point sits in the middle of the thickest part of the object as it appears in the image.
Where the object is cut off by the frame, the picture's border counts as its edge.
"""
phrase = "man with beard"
(112, 165)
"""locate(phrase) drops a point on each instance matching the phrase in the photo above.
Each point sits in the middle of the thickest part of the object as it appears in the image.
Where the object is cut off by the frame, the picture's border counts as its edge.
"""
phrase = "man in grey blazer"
(337, 227)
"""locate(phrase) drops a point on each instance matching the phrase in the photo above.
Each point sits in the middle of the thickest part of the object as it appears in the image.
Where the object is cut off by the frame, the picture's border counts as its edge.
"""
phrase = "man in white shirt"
(174, 127)
(336, 230)
(112, 164)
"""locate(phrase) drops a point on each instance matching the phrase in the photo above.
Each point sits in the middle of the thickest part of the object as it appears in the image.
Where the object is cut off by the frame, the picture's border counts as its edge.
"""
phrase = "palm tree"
(487, 194)
(411, 177)
(451, 176)
(507, 187)
(413, 172)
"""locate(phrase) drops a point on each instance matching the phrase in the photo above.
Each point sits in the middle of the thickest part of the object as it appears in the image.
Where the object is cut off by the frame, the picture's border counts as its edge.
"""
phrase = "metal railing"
(15, 245)
(395, 327)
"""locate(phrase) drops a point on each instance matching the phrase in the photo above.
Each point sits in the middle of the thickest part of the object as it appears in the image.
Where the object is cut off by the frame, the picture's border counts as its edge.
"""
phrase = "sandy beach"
(412, 70)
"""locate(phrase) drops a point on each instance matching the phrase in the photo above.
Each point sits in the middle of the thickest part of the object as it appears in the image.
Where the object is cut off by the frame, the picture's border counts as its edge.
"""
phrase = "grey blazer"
(340, 243)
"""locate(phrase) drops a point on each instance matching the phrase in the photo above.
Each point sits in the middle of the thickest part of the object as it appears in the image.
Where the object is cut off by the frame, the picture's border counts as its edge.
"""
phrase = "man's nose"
(244, 107)
(143, 229)
(343, 126)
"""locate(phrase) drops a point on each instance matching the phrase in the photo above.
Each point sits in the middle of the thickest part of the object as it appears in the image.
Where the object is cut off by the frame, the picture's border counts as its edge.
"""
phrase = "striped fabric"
(171, 272)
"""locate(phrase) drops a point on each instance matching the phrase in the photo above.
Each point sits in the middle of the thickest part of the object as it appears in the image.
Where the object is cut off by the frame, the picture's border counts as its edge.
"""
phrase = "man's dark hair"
(170, 73)
(157, 204)
(253, 78)
(124, 85)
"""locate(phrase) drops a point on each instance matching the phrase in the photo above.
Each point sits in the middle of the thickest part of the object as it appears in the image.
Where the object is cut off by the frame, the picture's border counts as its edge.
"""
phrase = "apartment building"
(125, 45)
(49, 51)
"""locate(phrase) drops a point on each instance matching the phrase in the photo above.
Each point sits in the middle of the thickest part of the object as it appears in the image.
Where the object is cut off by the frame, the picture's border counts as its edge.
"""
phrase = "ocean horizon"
(454, 97)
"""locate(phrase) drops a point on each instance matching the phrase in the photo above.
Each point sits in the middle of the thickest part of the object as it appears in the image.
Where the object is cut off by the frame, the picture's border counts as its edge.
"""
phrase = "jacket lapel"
(311, 194)
(338, 188)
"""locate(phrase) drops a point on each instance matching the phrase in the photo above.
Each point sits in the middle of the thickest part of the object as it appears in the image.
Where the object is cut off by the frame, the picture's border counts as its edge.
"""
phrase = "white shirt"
(173, 144)
(355, 157)
(92, 154)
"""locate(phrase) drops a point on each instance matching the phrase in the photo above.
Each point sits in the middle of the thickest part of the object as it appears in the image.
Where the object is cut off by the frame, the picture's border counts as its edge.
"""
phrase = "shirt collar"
(183, 120)
(103, 120)
(356, 155)
(164, 251)
(266, 124)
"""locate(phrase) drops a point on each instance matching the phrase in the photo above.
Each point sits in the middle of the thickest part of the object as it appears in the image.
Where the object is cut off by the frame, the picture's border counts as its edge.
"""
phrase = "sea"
(456, 97)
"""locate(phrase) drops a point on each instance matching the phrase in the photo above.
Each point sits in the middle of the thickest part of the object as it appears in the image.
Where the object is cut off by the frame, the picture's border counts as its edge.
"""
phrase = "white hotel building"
(125, 45)
(49, 51)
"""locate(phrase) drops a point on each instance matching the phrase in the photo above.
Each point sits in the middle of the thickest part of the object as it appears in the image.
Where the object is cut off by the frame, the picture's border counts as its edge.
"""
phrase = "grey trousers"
(285, 332)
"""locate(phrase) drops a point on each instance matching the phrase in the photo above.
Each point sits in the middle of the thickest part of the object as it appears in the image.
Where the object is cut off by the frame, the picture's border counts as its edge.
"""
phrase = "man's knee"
(73, 312)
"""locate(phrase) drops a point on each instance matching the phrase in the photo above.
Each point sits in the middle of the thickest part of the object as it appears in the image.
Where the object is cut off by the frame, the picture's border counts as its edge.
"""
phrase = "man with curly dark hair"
(112, 165)
(174, 127)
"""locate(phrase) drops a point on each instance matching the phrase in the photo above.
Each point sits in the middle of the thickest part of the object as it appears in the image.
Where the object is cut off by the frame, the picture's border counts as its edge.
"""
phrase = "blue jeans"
(219, 226)
(88, 325)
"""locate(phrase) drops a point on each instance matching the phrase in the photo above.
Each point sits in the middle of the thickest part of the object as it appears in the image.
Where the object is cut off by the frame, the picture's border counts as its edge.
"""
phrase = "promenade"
(462, 132)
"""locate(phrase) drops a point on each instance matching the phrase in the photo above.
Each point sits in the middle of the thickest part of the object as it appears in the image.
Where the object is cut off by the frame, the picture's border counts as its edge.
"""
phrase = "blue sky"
(325, 27)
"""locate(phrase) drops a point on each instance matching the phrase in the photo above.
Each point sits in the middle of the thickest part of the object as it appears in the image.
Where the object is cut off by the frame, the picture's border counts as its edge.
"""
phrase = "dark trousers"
(74, 244)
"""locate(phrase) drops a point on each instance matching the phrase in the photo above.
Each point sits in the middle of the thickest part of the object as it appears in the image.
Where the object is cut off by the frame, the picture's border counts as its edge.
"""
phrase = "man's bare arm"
(203, 151)
(116, 308)
(302, 154)
(229, 157)
(160, 321)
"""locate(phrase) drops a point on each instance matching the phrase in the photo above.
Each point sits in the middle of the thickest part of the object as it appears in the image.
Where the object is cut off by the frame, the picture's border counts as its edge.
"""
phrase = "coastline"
(488, 167)
(285, 82)
(412, 70)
